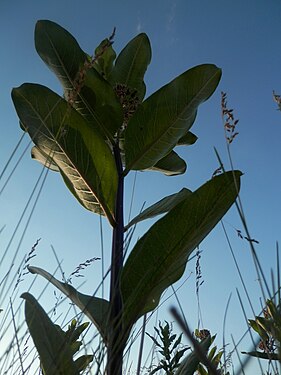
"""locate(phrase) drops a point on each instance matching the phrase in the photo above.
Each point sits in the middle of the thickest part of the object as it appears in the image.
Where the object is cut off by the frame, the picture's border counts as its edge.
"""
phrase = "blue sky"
(243, 38)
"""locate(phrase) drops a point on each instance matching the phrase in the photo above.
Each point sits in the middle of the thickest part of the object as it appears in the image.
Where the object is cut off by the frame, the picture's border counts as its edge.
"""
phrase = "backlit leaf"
(166, 116)
(104, 63)
(81, 154)
(44, 159)
(161, 207)
(188, 139)
(169, 243)
(55, 355)
(92, 95)
(131, 64)
(170, 165)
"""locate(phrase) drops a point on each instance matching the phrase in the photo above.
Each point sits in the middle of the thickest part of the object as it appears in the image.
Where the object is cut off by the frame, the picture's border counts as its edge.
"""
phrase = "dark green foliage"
(72, 335)
(214, 355)
(161, 207)
(131, 65)
(190, 363)
(55, 347)
(269, 329)
(105, 63)
(169, 347)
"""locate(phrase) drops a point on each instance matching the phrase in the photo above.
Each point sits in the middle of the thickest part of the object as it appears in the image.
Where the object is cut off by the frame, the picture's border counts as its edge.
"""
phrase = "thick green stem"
(116, 343)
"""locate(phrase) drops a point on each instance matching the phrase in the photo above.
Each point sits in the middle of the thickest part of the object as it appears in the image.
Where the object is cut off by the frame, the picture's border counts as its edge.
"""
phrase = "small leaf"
(169, 243)
(82, 362)
(217, 357)
(177, 342)
(73, 333)
(274, 313)
(161, 207)
(170, 165)
(107, 55)
(260, 330)
(55, 355)
(212, 353)
(201, 370)
(131, 64)
(190, 363)
(266, 324)
(188, 139)
(96, 309)
(166, 116)
(179, 354)
(154, 340)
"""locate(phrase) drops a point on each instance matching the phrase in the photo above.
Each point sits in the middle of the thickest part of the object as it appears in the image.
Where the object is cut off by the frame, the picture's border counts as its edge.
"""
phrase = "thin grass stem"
(141, 345)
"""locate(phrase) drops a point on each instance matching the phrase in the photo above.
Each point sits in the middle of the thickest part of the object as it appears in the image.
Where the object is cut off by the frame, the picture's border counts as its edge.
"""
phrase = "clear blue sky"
(241, 37)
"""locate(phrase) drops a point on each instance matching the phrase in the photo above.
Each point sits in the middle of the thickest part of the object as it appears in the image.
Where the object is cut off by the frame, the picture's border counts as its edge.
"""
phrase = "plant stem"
(116, 343)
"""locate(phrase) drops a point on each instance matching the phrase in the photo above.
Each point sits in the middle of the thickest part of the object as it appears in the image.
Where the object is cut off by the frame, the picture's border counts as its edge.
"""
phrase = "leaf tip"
(27, 296)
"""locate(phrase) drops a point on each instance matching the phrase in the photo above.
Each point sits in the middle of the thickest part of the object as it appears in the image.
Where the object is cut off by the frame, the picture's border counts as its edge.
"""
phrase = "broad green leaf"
(81, 154)
(93, 96)
(188, 139)
(161, 207)
(159, 258)
(191, 361)
(96, 309)
(55, 355)
(131, 64)
(166, 116)
(104, 63)
(48, 162)
(59, 50)
(170, 165)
